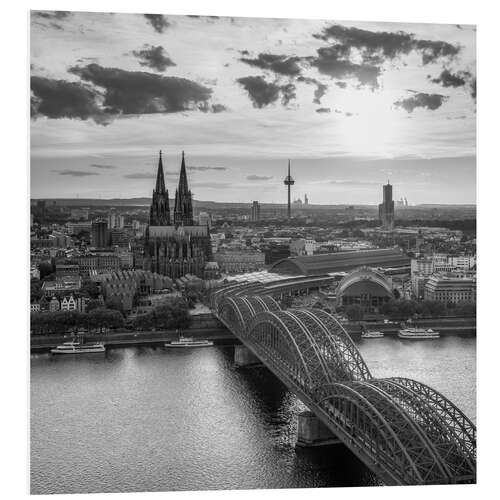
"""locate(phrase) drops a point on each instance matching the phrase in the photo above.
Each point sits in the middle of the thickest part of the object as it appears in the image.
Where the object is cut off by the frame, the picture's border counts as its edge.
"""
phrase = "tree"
(397, 294)
(46, 268)
(35, 290)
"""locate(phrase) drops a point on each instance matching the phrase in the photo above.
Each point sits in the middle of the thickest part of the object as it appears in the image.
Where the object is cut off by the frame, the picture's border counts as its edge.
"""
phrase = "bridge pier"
(311, 431)
(244, 356)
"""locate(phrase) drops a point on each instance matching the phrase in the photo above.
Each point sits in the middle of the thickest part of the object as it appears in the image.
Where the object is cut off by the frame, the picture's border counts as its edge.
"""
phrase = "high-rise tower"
(289, 182)
(159, 213)
(386, 208)
(183, 207)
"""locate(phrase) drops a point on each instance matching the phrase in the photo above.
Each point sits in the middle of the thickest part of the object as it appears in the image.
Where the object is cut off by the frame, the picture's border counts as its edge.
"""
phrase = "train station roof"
(313, 265)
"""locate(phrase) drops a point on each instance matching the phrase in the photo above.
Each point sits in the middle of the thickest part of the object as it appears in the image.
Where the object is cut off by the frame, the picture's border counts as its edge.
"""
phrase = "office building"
(386, 208)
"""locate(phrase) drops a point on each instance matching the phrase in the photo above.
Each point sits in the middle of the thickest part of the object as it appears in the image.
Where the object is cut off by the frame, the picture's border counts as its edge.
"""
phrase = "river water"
(149, 419)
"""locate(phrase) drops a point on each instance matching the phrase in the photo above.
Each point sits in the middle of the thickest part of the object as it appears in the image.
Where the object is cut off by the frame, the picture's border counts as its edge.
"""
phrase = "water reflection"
(151, 419)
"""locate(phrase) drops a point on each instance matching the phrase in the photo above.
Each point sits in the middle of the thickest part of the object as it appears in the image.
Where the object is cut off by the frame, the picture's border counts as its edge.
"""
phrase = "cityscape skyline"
(401, 105)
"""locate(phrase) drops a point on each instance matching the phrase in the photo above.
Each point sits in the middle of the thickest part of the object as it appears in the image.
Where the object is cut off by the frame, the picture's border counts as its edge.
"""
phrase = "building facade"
(240, 261)
(175, 246)
(450, 287)
(255, 215)
(386, 209)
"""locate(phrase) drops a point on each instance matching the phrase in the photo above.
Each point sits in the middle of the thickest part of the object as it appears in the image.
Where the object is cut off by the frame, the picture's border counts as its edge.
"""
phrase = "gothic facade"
(175, 246)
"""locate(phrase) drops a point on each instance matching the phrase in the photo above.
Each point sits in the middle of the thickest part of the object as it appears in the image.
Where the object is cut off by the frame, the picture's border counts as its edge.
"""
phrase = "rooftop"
(340, 261)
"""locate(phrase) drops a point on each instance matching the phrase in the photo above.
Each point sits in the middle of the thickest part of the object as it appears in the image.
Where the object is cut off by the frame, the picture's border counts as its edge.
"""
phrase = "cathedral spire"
(159, 213)
(160, 178)
(183, 183)
(183, 208)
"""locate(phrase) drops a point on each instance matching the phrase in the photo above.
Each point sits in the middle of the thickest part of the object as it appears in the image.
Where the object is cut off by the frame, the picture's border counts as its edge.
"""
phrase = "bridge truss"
(403, 430)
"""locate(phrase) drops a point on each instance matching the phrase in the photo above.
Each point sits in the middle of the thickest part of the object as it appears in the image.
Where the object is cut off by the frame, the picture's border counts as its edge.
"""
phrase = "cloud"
(448, 79)
(141, 175)
(263, 93)
(205, 168)
(63, 99)
(375, 46)
(332, 61)
(159, 22)
(259, 177)
(153, 57)
(104, 167)
(137, 92)
(459, 79)
(75, 173)
(51, 14)
(281, 64)
(321, 88)
(212, 185)
(341, 85)
(421, 100)
(323, 110)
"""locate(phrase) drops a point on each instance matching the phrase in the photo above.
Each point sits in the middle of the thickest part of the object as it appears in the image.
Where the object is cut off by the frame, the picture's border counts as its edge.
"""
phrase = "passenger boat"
(184, 342)
(371, 334)
(417, 333)
(76, 347)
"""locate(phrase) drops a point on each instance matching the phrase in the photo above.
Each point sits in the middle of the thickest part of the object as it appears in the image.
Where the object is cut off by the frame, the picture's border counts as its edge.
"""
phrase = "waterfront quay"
(221, 335)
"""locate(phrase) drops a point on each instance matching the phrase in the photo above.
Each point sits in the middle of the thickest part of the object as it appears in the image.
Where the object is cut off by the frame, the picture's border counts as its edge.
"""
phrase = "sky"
(351, 104)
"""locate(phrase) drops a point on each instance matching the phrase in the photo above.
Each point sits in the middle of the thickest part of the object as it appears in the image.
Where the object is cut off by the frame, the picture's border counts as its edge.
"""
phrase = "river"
(149, 419)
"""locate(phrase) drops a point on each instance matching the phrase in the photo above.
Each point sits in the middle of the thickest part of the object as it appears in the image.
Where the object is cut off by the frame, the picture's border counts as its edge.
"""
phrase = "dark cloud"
(375, 46)
(459, 79)
(281, 64)
(63, 99)
(158, 21)
(341, 85)
(141, 175)
(153, 57)
(473, 90)
(448, 79)
(212, 185)
(263, 93)
(323, 110)
(75, 173)
(321, 88)
(51, 14)
(137, 92)
(259, 177)
(331, 61)
(104, 167)
(205, 168)
(421, 100)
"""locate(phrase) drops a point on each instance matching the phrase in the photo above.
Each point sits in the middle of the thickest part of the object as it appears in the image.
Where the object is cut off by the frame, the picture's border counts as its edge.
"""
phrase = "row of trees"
(60, 322)
(404, 309)
(172, 316)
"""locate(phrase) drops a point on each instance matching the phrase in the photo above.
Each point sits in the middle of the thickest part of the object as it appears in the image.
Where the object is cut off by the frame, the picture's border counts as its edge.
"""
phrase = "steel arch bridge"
(401, 429)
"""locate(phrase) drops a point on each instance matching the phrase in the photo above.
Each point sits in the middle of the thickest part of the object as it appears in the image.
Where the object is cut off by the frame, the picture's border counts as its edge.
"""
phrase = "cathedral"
(174, 245)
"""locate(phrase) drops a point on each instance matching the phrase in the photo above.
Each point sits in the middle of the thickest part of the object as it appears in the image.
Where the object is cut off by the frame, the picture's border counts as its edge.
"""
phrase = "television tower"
(289, 182)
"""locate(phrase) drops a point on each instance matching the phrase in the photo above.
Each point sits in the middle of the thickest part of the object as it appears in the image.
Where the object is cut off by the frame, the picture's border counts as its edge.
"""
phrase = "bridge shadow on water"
(277, 409)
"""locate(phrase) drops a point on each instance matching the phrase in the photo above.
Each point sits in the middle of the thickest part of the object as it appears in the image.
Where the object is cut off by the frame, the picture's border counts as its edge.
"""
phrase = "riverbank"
(221, 335)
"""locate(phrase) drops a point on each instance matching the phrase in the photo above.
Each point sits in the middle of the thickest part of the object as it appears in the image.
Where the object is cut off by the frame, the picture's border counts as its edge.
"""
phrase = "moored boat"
(418, 333)
(184, 342)
(78, 348)
(371, 335)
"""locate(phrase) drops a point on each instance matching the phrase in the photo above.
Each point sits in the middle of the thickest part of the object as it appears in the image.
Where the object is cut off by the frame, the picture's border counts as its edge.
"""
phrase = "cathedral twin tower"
(175, 246)
(159, 214)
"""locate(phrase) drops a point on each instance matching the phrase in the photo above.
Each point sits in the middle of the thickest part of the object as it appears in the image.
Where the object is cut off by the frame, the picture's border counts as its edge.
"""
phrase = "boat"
(371, 334)
(184, 342)
(418, 333)
(76, 347)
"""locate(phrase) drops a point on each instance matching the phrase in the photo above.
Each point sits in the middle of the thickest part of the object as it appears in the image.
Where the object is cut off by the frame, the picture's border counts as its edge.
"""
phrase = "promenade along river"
(145, 419)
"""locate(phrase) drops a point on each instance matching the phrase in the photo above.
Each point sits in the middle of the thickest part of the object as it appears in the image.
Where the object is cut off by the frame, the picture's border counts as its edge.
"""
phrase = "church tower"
(183, 207)
(159, 213)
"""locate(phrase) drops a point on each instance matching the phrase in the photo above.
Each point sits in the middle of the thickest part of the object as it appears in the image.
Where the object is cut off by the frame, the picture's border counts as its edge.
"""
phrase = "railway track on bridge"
(402, 430)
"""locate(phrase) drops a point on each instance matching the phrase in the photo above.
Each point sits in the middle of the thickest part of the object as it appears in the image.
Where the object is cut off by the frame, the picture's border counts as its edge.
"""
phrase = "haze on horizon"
(351, 104)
